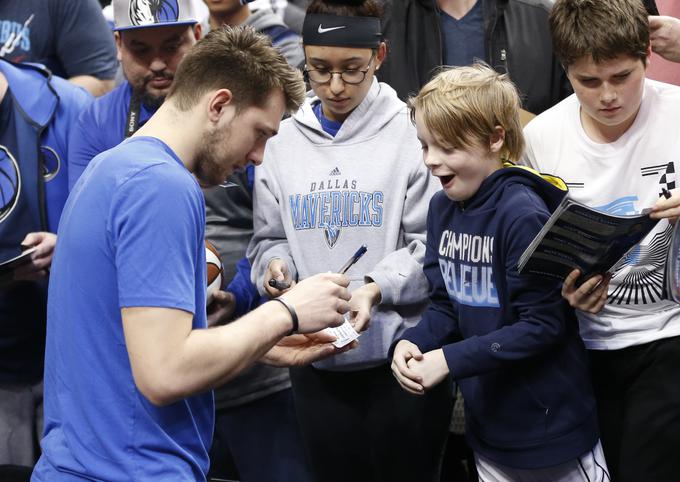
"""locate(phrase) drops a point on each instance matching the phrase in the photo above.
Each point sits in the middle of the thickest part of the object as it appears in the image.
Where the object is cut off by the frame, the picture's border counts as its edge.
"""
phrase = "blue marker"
(355, 257)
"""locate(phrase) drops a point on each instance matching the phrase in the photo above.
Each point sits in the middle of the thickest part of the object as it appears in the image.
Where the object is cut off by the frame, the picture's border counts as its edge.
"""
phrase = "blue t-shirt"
(101, 126)
(463, 39)
(329, 126)
(70, 37)
(131, 235)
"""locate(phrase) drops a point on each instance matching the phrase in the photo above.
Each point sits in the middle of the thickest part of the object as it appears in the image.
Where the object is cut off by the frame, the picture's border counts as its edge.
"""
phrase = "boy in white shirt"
(616, 143)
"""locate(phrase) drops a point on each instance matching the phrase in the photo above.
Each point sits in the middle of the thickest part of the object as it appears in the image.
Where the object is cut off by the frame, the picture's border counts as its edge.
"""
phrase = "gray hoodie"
(289, 44)
(318, 198)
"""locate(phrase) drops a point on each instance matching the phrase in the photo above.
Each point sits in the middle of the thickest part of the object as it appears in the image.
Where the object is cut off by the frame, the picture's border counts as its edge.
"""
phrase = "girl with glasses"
(345, 171)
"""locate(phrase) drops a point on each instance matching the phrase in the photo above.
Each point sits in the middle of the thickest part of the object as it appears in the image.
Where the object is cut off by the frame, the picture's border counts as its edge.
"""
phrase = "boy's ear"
(497, 139)
(649, 54)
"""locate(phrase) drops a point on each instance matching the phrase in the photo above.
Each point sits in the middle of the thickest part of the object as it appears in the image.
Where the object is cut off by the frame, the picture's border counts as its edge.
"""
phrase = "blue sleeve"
(73, 101)
(534, 320)
(245, 292)
(84, 144)
(55, 141)
(156, 229)
(439, 324)
(84, 41)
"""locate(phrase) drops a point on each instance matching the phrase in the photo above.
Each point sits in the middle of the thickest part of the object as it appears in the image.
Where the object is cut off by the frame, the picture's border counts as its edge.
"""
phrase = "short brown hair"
(239, 59)
(462, 106)
(601, 29)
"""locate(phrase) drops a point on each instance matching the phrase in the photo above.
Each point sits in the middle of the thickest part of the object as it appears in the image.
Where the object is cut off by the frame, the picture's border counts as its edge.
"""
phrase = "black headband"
(337, 31)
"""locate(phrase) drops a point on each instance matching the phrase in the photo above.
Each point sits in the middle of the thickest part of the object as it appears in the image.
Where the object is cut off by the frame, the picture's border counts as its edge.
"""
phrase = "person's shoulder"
(440, 211)
(104, 108)
(286, 128)
(519, 199)
(149, 160)
(439, 202)
(389, 106)
(70, 93)
(523, 193)
(520, 206)
(662, 91)
(118, 96)
(554, 115)
(543, 6)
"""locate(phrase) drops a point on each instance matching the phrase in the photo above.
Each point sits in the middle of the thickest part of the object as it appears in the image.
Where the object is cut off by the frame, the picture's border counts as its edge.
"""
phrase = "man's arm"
(84, 44)
(171, 361)
(85, 142)
(93, 85)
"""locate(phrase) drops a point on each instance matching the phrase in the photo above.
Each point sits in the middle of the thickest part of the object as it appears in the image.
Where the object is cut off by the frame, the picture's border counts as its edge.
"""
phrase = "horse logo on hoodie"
(149, 12)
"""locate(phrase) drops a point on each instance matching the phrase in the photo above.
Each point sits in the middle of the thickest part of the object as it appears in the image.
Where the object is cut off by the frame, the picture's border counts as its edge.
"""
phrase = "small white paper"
(344, 333)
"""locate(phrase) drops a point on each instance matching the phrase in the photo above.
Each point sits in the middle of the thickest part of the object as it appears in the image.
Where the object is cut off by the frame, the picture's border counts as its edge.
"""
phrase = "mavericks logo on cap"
(149, 12)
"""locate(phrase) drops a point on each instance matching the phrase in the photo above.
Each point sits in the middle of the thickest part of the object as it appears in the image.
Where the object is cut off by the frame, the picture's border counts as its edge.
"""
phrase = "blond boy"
(510, 341)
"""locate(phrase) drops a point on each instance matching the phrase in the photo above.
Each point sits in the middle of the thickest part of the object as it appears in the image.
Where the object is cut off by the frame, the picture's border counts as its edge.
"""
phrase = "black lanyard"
(132, 123)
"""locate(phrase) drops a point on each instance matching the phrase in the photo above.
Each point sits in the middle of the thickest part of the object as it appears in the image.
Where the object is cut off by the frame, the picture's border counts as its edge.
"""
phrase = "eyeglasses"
(349, 76)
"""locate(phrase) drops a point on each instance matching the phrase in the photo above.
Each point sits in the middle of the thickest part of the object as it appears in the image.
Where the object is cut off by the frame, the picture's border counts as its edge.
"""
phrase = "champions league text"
(465, 264)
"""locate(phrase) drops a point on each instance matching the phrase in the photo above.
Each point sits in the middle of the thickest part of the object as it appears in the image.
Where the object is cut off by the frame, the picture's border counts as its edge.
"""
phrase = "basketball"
(214, 270)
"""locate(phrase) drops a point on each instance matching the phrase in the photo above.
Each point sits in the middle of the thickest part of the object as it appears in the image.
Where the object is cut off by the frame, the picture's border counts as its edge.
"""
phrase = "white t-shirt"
(622, 177)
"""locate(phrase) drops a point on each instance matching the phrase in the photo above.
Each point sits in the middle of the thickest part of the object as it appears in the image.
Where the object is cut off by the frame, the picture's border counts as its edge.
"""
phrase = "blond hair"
(599, 29)
(239, 59)
(462, 106)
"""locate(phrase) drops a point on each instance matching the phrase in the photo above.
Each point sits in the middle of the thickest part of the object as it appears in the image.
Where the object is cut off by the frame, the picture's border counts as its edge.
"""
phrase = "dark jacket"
(517, 41)
(33, 189)
(510, 340)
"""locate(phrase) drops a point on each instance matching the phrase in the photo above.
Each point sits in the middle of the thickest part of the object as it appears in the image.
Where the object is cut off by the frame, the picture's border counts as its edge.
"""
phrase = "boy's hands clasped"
(417, 372)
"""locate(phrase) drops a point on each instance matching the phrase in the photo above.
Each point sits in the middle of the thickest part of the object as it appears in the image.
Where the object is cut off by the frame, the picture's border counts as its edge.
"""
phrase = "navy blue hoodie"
(510, 340)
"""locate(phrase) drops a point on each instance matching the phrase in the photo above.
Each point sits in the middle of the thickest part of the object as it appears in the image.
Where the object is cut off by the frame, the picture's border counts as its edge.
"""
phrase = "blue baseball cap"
(133, 14)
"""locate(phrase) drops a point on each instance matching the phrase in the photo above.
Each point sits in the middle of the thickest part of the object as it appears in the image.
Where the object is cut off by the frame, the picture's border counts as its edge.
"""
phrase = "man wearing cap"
(150, 45)
(129, 359)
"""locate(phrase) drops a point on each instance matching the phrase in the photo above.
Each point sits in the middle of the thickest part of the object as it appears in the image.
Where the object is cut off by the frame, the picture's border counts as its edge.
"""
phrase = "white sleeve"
(399, 275)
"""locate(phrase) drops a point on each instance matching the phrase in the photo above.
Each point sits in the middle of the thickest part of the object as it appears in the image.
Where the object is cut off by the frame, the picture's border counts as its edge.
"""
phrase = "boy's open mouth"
(446, 179)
